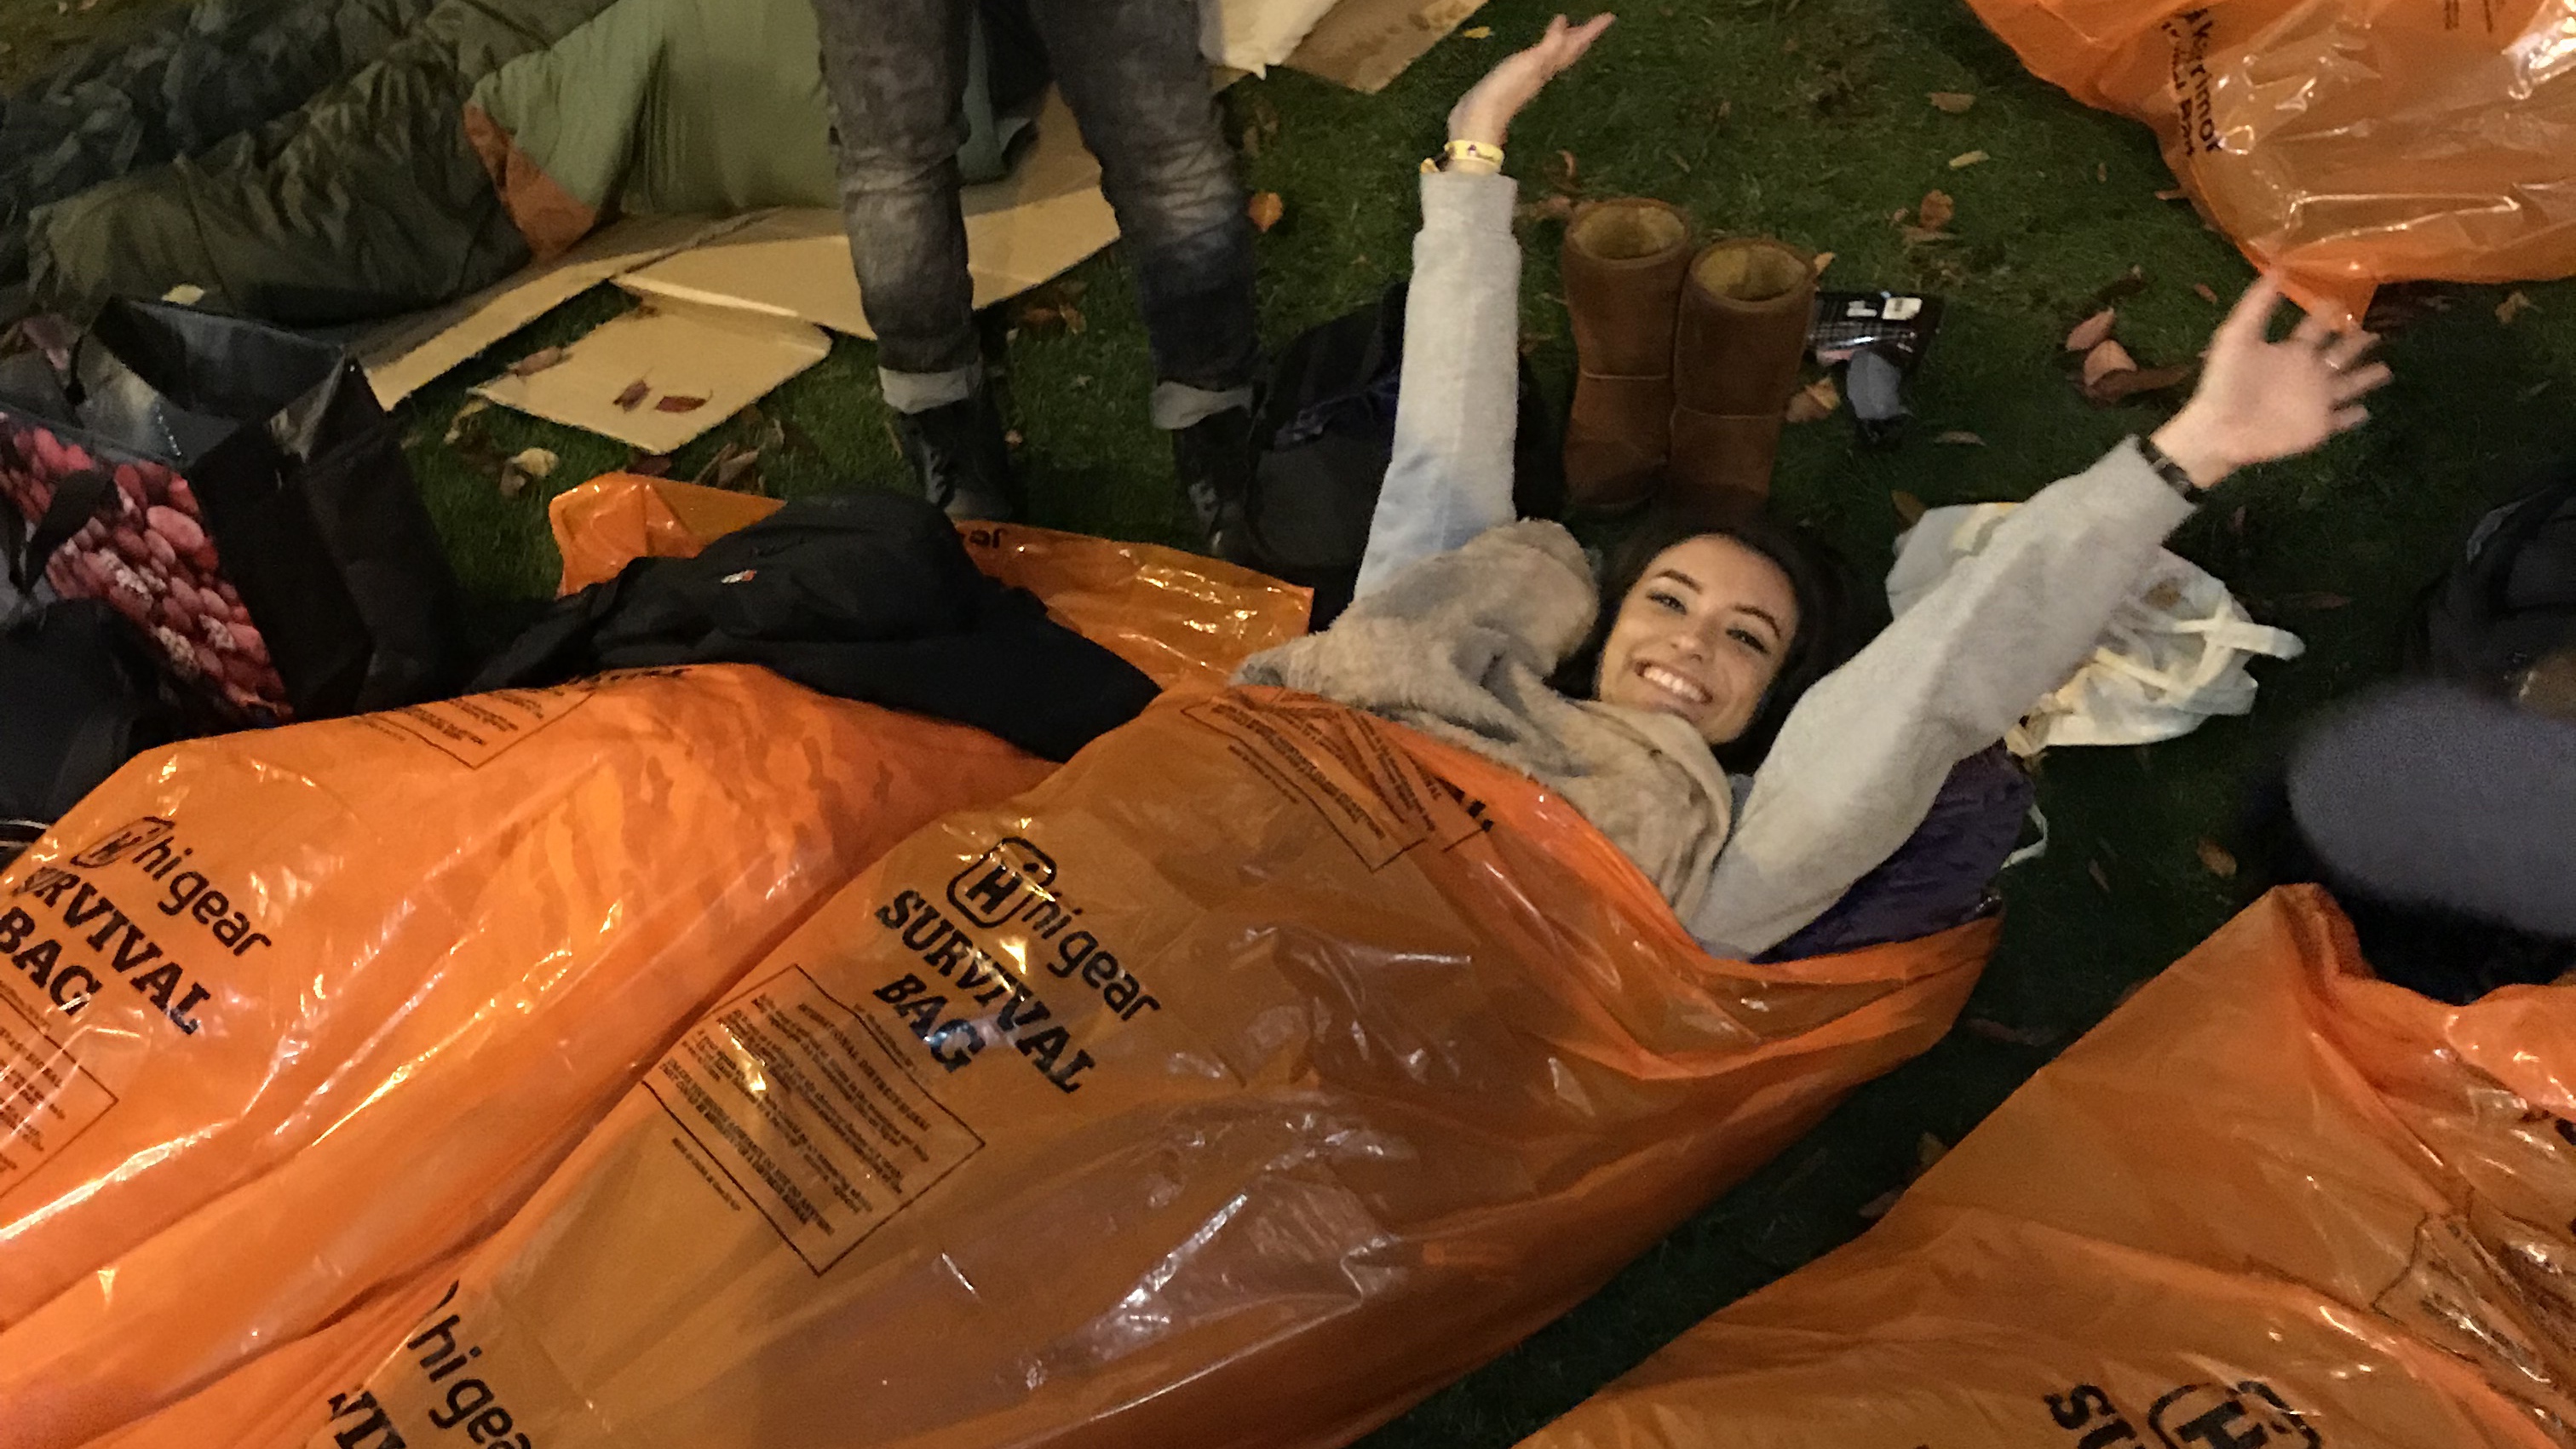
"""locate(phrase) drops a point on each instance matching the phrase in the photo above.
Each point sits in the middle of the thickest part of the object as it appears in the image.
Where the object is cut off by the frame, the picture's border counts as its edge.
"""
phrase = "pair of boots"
(1687, 359)
(962, 461)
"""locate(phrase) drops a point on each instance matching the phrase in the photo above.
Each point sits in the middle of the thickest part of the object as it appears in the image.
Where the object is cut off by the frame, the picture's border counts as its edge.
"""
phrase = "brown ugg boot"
(1741, 331)
(1623, 265)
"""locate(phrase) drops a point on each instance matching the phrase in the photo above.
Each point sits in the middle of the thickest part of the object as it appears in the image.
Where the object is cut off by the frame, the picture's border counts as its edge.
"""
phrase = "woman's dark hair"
(1834, 618)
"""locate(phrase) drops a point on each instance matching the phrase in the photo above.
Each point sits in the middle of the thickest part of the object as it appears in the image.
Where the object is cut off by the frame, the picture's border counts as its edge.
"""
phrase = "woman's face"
(1701, 636)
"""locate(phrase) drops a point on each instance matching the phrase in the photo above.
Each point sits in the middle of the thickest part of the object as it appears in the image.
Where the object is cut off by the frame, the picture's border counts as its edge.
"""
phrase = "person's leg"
(894, 72)
(1132, 73)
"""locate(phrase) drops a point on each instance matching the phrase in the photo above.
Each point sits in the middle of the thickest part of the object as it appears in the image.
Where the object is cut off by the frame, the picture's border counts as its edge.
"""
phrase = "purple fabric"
(1944, 873)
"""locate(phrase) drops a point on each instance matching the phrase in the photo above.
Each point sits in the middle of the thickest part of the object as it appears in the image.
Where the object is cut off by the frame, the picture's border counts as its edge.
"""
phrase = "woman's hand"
(1485, 113)
(2259, 400)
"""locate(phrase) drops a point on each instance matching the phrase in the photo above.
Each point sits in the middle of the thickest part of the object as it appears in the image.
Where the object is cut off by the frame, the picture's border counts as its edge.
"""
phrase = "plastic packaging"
(290, 1014)
(2344, 143)
(2271, 1203)
(1265, 1068)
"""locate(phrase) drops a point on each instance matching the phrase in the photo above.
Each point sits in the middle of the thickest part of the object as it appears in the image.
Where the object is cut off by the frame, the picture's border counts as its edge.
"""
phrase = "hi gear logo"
(1003, 883)
(124, 841)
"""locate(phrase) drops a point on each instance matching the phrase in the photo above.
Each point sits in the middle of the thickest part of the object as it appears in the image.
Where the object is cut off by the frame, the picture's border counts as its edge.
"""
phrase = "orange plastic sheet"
(1263, 1069)
(292, 1013)
(1184, 620)
(2271, 1203)
(2345, 143)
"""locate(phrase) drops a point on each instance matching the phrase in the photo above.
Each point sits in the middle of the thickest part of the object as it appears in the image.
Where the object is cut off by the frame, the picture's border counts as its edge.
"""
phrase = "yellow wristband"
(1471, 156)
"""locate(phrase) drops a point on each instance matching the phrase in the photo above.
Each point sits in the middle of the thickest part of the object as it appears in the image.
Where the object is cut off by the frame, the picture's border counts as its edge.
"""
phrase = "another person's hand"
(2261, 400)
(1485, 112)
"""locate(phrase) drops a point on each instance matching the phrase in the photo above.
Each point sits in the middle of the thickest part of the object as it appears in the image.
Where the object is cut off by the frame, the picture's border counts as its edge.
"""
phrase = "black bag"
(1326, 431)
(2509, 600)
(235, 491)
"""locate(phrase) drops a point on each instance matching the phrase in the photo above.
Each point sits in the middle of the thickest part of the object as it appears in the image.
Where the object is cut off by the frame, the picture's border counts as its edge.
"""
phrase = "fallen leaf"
(2513, 306)
(1816, 400)
(1265, 210)
(2092, 332)
(1012, 439)
(1928, 1152)
(633, 397)
(2207, 293)
(2104, 357)
(1908, 507)
(1966, 159)
(648, 465)
(186, 294)
(2236, 521)
(2024, 1036)
(2127, 284)
(1881, 1205)
(522, 468)
(2128, 384)
(1562, 176)
(1554, 208)
(538, 361)
(730, 472)
(1955, 103)
(1960, 438)
(2172, 193)
(1823, 260)
(464, 415)
(679, 404)
(2535, 390)
(1477, 32)
(1914, 234)
(2101, 170)
(2215, 859)
(2093, 868)
(2312, 601)
(1936, 211)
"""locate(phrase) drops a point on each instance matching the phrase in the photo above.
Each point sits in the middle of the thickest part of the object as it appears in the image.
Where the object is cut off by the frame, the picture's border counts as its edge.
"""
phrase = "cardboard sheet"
(409, 353)
(1041, 220)
(726, 357)
(1363, 44)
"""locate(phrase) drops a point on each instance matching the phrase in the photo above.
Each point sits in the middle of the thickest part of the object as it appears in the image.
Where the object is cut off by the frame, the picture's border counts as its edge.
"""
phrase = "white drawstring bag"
(2172, 656)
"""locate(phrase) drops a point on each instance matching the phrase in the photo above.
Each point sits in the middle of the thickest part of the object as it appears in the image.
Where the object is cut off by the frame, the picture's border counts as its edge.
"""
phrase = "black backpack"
(1326, 432)
(2509, 599)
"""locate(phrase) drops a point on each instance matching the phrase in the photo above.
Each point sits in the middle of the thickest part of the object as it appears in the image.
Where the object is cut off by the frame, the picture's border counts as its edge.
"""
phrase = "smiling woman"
(1705, 705)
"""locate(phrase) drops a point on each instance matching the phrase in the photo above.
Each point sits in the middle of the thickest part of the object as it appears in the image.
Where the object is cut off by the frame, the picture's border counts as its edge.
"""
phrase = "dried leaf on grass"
(2101, 880)
(2092, 332)
(2104, 357)
(2207, 293)
(2215, 859)
(1955, 103)
(1265, 209)
(679, 404)
(2172, 193)
(1908, 507)
(1816, 400)
(1552, 208)
(2127, 284)
(1822, 261)
(1936, 210)
(1563, 172)
(648, 465)
(531, 465)
(1477, 32)
(2513, 306)
(1960, 437)
(731, 465)
(456, 426)
(2118, 386)
(538, 361)
(1966, 159)
(633, 396)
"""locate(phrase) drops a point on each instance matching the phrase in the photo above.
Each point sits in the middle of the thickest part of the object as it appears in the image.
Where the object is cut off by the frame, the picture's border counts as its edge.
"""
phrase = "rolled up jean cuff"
(919, 392)
(1177, 405)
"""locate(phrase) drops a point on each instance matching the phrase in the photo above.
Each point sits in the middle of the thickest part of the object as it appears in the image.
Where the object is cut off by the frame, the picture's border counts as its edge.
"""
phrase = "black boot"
(959, 457)
(1214, 460)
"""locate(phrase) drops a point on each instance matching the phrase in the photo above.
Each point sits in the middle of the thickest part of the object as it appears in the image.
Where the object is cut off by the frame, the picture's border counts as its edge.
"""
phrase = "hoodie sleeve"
(1860, 758)
(1451, 476)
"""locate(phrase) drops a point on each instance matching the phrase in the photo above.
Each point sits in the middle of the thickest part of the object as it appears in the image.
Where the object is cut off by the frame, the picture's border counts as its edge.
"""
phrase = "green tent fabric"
(492, 132)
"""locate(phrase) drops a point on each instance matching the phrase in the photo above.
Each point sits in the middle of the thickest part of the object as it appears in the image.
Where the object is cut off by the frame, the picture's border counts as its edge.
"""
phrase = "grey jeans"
(1130, 71)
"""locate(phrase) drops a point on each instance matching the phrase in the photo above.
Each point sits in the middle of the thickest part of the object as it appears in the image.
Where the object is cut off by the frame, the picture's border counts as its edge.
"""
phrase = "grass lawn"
(1808, 120)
